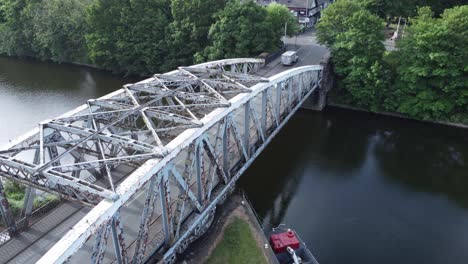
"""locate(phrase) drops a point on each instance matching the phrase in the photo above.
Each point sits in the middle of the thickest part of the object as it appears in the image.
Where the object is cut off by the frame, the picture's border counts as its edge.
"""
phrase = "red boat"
(289, 247)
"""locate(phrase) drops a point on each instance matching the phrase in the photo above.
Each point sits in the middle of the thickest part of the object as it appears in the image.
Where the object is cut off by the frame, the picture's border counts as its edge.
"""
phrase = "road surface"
(308, 50)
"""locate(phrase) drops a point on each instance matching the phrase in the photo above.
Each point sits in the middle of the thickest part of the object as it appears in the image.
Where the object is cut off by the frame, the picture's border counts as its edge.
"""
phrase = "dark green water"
(359, 188)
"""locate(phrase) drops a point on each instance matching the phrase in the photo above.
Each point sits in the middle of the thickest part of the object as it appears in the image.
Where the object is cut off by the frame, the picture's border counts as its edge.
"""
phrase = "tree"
(2, 12)
(433, 65)
(188, 33)
(439, 6)
(278, 16)
(240, 30)
(355, 37)
(128, 36)
(16, 32)
(406, 8)
(334, 21)
(377, 7)
(59, 29)
(43, 29)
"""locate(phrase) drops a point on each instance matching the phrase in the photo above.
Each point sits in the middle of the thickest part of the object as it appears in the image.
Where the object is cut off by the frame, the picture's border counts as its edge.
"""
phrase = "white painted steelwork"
(184, 137)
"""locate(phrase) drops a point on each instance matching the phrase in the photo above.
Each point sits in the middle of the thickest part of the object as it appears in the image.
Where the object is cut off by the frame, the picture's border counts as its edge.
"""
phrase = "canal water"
(32, 91)
(359, 188)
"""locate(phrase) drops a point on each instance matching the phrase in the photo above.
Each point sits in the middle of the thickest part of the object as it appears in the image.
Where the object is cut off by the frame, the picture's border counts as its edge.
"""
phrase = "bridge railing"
(24, 222)
(173, 198)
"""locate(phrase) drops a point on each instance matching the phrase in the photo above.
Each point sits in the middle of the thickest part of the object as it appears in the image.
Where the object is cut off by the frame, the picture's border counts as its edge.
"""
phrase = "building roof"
(321, 2)
(297, 3)
(289, 53)
(290, 3)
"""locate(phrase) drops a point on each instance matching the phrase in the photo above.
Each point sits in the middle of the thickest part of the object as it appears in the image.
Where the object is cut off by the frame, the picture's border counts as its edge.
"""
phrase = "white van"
(289, 57)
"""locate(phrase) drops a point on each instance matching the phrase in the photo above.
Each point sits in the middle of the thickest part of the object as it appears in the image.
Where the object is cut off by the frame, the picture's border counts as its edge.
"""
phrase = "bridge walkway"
(31, 244)
(28, 246)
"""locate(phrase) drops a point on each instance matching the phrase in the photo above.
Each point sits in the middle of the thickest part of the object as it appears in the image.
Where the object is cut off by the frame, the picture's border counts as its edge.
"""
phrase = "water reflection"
(335, 143)
(426, 158)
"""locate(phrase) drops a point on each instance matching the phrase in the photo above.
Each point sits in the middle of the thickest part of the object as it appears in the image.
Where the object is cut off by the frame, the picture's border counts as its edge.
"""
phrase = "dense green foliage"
(49, 29)
(128, 36)
(16, 33)
(426, 78)
(58, 30)
(433, 65)
(139, 37)
(406, 8)
(189, 29)
(384, 8)
(438, 6)
(355, 37)
(241, 29)
(15, 194)
(238, 245)
(279, 16)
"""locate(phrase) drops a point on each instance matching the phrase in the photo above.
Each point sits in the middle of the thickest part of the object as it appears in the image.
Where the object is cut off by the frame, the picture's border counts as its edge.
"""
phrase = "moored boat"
(289, 247)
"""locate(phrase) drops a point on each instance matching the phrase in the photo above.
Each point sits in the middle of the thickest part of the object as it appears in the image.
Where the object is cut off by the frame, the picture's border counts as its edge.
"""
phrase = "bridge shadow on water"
(362, 188)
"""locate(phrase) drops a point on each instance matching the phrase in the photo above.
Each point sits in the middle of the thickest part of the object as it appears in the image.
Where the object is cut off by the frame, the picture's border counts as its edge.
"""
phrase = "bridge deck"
(30, 245)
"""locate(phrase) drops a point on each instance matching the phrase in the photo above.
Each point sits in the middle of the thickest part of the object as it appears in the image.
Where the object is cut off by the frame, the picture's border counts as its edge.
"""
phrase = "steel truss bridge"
(154, 159)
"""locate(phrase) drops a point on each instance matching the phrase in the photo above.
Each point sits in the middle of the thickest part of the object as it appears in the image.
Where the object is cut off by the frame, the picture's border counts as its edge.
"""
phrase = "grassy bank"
(237, 246)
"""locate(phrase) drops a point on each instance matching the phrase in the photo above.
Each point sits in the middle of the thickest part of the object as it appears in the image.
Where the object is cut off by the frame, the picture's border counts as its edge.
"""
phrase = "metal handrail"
(246, 199)
(23, 223)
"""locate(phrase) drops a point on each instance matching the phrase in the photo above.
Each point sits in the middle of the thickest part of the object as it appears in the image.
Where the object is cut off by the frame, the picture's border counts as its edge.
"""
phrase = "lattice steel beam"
(52, 181)
(187, 100)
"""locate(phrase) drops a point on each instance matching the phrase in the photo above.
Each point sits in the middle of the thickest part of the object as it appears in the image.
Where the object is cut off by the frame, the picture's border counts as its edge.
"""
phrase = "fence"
(24, 223)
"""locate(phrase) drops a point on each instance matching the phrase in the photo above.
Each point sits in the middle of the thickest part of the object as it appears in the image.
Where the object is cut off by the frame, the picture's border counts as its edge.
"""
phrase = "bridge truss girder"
(199, 167)
(124, 127)
(128, 127)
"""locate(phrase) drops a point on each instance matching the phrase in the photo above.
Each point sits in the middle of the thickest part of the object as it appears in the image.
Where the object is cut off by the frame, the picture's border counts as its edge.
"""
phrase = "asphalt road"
(308, 50)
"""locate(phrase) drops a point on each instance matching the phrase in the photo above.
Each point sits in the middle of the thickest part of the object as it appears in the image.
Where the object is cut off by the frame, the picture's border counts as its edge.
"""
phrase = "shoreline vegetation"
(140, 37)
(424, 78)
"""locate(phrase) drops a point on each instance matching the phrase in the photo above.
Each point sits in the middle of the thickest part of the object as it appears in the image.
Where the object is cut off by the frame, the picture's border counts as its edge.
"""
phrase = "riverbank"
(397, 115)
(82, 65)
(327, 93)
(211, 243)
